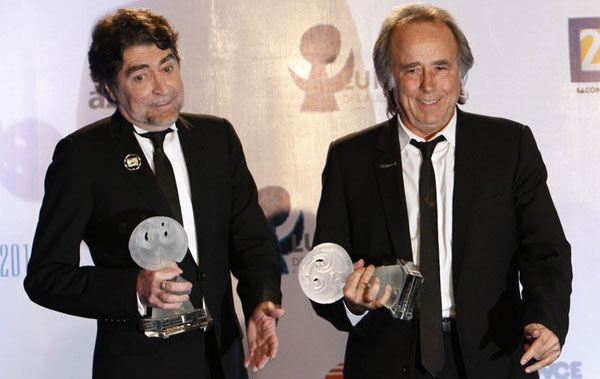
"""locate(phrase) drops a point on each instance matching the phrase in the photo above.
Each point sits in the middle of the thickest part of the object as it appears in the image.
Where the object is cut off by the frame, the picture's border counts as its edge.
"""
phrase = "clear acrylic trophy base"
(167, 322)
(166, 326)
(405, 281)
(153, 244)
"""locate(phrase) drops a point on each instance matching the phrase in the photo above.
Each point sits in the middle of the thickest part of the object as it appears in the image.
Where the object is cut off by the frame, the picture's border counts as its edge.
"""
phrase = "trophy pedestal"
(153, 244)
(405, 281)
(167, 323)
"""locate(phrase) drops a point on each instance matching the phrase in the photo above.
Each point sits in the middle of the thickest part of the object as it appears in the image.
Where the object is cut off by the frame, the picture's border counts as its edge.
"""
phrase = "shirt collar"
(141, 131)
(405, 135)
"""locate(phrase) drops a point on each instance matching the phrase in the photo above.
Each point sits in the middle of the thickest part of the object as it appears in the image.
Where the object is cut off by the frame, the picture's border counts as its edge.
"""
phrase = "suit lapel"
(466, 176)
(143, 178)
(192, 151)
(388, 171)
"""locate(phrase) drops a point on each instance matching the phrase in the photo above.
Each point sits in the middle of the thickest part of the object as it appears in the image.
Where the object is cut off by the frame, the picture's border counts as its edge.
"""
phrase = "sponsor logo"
(320, 45)
(589, 89)
(562, 370)
(584, 49)
(557, 370)
(276, 204)
(97, 101)
(336, 372)
(13, 260)
(27, 150)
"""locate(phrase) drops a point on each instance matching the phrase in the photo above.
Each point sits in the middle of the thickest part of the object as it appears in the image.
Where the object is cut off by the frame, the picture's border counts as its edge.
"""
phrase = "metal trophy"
(153, 244)
(324, 270)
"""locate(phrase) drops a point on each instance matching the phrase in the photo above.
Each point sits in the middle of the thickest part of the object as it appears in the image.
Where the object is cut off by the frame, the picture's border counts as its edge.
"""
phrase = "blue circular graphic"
(26, 153)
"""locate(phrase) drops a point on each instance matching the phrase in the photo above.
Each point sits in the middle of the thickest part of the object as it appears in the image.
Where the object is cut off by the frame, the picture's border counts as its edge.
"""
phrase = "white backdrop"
(238, 62)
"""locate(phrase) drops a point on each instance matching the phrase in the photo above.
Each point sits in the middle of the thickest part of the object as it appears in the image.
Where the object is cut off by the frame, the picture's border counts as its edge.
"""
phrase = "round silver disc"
(323, 273)
(156, 241)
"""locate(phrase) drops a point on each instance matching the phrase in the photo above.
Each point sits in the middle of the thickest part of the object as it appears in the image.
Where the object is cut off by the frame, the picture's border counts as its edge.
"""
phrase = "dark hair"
(120, 30)
(412, 13)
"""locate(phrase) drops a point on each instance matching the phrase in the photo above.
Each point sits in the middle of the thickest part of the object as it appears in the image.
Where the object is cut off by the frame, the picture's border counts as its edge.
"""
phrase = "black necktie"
(432, 339)
(164, 171)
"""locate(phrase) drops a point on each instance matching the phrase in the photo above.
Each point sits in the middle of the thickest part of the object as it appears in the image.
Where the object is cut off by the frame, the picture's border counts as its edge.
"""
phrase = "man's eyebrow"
(166, 58)
(410, 66)
(443, 62)
(413, 65)
(132, 69)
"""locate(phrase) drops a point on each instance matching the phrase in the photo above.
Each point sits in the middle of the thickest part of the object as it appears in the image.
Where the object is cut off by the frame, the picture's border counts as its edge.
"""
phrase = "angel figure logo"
(320, 45)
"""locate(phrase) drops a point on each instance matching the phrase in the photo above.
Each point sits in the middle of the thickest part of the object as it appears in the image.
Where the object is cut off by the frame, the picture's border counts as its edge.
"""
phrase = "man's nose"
(427, 81)
(160, 85)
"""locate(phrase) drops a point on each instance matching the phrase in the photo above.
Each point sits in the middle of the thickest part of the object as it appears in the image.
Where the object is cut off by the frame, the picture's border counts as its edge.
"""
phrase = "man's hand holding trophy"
(326, 274)
(155, 245)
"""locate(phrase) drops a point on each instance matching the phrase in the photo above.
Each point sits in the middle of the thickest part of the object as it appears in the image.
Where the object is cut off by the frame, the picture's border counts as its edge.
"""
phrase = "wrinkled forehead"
(423, 40)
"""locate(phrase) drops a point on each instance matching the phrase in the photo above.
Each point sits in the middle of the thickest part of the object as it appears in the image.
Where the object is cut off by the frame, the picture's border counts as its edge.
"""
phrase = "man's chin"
(164, 121)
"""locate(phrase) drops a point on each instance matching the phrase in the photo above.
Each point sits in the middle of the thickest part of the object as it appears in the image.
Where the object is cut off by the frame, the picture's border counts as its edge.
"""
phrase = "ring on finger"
(163, 285)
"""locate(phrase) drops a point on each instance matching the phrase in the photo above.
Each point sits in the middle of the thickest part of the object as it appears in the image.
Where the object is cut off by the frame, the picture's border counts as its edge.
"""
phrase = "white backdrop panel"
(238, 63)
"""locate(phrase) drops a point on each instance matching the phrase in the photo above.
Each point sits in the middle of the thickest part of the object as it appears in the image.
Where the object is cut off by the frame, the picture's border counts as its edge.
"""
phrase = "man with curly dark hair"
(104, 179)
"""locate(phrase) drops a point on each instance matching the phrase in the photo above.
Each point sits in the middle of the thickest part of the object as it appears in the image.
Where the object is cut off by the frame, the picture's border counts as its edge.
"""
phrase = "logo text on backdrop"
(584, 49)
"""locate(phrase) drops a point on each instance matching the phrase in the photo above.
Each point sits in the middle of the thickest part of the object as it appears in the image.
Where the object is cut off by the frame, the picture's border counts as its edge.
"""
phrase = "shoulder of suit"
(487, 122)
(194, 120)
(91, 131)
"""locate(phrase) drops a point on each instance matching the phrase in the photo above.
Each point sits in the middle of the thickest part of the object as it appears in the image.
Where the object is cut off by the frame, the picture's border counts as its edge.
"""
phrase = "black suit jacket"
(504, 227)
(91, 196)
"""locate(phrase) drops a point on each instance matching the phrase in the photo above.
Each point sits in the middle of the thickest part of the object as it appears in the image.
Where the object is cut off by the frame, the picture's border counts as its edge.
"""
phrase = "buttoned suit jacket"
(91, 195)
(504, 227)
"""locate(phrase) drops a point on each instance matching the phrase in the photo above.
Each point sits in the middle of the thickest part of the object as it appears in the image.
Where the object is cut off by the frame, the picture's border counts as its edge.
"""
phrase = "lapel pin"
(132, 162)
(388, 165)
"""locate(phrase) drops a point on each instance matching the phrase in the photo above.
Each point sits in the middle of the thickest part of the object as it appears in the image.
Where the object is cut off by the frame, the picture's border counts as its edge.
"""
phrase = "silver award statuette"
(323, 273)
(154, 243)
(405, 280)
(324, 270)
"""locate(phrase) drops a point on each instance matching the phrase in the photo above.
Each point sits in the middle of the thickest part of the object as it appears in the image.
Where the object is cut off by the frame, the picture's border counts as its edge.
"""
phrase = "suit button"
(201, 275)
(406, 370)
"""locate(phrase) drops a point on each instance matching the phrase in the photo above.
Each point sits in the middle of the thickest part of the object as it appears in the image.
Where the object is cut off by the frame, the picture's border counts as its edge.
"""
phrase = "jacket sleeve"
(333, 226)
(54, 277)
(253, 247)
(544, 255)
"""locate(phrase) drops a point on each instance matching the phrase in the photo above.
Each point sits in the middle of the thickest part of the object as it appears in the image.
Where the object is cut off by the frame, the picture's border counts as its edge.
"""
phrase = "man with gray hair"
(461, 195)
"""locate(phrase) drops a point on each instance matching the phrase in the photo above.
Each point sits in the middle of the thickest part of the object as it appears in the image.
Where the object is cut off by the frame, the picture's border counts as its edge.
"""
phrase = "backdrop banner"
(292, 76)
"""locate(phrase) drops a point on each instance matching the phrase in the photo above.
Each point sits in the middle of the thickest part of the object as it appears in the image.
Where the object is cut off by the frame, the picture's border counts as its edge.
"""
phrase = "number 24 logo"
(590, 49)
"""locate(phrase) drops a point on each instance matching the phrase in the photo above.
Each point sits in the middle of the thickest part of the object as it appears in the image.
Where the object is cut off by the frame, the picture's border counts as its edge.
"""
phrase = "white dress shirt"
(172, 149)
(443, 167)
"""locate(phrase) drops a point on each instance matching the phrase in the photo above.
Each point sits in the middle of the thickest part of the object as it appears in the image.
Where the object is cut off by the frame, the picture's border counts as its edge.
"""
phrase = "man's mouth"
(428, 102)
(162, 104)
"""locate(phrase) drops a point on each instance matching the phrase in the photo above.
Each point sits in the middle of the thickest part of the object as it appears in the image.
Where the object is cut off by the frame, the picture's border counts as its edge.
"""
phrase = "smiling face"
(149, 89)
(424, 58)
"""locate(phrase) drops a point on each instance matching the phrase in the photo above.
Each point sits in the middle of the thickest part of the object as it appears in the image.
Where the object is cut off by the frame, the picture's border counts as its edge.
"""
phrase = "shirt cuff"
(354, 319)
(141, 307)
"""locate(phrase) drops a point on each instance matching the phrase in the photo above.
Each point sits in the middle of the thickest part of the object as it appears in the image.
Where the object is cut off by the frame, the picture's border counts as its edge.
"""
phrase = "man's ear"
(391, 87)
(111, 92)
(391, 84)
